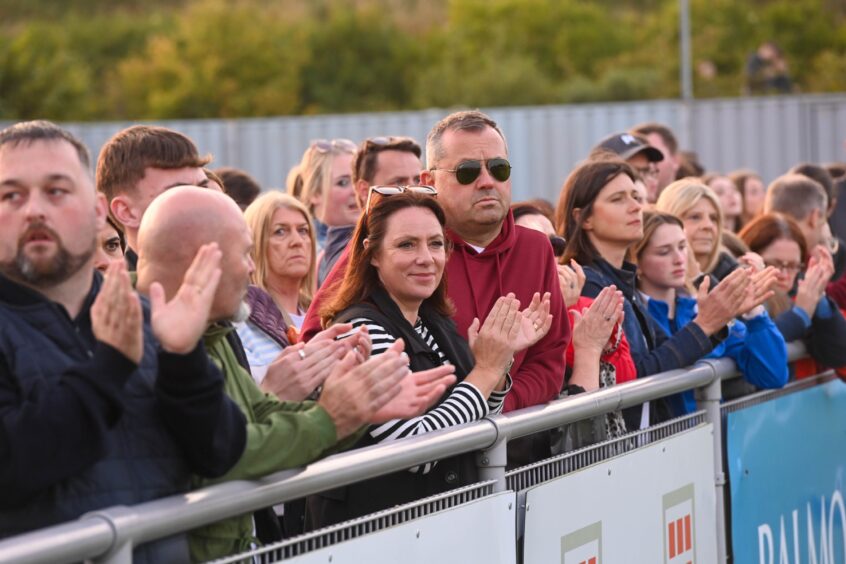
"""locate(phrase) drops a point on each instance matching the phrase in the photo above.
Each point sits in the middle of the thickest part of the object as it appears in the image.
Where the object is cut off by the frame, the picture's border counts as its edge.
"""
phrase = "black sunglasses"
(394, 190)
(468, 171)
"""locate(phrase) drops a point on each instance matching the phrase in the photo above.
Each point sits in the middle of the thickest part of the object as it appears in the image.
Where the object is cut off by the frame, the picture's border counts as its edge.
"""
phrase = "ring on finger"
(302, 354)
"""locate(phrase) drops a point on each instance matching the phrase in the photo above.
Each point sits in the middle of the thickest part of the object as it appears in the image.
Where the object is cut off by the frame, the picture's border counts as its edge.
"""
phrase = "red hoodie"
(519, 260)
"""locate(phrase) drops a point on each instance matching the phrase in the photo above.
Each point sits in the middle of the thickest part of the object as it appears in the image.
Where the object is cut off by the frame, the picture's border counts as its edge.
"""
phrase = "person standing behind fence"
(325, 186)
(103, 400)
(397, 290)
(754, 343)
(800, 308)
(600, 213)
(752, 192)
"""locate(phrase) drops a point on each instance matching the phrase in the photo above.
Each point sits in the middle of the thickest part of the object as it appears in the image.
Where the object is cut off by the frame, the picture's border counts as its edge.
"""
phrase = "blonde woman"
(280, 293)
(325, 186)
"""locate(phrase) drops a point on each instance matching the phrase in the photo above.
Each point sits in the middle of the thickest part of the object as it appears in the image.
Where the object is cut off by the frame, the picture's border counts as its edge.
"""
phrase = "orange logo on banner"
(679, 536)
(591, 561)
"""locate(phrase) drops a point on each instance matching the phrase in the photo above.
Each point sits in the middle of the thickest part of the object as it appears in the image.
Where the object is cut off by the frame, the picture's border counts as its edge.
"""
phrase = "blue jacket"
(824, 334)
(756, 346)
(652, 349)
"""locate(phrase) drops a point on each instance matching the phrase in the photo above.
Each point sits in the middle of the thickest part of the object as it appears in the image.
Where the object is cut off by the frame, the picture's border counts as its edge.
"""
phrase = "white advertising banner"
(479, 531)
(656, 504)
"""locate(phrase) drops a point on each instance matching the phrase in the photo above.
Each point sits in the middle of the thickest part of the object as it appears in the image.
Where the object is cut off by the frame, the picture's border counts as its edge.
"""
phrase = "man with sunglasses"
(386, 161)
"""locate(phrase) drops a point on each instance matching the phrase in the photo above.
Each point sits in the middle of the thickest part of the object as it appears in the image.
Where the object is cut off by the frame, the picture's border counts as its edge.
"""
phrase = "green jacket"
(280, 435)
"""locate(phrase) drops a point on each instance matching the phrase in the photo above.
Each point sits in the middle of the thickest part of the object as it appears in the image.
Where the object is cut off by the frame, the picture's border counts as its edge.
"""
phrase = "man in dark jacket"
(102, 402)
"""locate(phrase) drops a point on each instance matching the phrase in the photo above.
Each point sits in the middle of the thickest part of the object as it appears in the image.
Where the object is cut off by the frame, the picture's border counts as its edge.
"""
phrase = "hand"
(301, 368)
(571, 279)
(752, 261)
(811, 288)
(724, 303)
(354, 393)
(534, 322)
(419, 391)
(823, 255)
(179, 323)
(116, 318)
(592, 328)
(493, 344)
(759, 289)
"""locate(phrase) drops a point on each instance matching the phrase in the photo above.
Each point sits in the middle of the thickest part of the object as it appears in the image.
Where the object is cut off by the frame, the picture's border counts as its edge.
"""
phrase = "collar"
(16, 294)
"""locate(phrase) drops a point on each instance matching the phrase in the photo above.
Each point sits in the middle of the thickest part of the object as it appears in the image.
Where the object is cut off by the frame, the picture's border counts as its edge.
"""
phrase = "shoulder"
(380, 337)
(531, 244)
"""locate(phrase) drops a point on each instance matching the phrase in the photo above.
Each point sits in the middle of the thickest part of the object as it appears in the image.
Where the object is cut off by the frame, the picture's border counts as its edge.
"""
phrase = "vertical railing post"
(491, 462)
(709, 398)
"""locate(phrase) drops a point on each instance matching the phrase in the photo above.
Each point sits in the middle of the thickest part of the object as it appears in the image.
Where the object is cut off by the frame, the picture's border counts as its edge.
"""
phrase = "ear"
(813, 219)
(362, 189)
(374, 261)
(586, 225)
(123, 209)
(427, 177)
(101, 209)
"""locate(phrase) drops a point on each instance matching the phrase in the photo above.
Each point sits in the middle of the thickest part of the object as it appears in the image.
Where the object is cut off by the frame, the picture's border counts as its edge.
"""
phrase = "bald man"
(98, 407)
(189, 220)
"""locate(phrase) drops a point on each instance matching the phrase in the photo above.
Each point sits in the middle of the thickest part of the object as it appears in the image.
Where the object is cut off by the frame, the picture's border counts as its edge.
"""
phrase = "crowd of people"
(165, 326)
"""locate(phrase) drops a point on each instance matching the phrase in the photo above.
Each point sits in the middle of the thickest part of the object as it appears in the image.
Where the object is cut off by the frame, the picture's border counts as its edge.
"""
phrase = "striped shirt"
(465, 402)
(260, 348)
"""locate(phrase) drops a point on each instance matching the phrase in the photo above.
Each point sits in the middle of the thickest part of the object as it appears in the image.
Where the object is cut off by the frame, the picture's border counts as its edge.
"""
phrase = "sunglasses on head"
(394, 190)
(328, 145)
(468, 171)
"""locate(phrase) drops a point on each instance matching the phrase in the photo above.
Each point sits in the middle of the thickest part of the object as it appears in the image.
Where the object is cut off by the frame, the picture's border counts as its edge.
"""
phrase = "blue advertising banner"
(787, 466)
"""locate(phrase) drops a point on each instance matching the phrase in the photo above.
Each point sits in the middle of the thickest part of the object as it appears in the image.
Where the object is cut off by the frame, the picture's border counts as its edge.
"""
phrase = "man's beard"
(45, 272)
(243, 313)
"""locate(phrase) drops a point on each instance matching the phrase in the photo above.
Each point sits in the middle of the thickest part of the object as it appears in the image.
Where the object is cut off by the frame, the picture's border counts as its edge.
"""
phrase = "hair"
(680, 196)
(836, 170)
(315, 171)
(362, 277)
(467, 120)
(663, 131)
(740, 179)
(294, 182)
(259, 216)
(28, 132)
(579, 192)
(125, 157)
(524, 208)
(364, 166)
(543, 206)
(734, 244)
(239, 186)
(821, 175)
(795, 195)
(689, 165)
(762, 232)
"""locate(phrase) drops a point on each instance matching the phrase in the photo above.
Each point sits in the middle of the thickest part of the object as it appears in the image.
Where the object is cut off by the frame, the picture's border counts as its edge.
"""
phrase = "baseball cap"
(627, 145)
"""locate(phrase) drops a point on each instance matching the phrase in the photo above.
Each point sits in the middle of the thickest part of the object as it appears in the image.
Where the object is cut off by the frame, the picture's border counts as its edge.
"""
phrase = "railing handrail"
(97, 533)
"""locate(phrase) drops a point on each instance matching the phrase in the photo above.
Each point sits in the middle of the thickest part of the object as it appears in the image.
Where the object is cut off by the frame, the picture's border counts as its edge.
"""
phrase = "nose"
(424, 255)
(485, 180)
(101, 259)
(35, 205)
(680, 257)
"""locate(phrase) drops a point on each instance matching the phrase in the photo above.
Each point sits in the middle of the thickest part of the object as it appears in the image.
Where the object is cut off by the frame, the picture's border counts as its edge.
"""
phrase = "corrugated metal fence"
(767, 134)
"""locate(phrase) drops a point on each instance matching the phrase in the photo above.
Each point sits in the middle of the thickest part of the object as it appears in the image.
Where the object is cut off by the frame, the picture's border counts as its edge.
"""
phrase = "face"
(700, 226)
(617, 217)
(236, 266)
(537, 222)
(49, 213)
(411, 259)
(393, 168)
(663, 262)
(753, 196)
(667, 168)
(729, 195)
(108, 248)
(129, 208)
(339, 206)
(786, 256)
(648, 171)
(288, 245)
(481, 206)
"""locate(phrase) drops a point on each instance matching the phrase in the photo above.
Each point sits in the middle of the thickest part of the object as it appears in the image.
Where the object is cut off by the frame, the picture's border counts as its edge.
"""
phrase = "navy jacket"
(83, 428)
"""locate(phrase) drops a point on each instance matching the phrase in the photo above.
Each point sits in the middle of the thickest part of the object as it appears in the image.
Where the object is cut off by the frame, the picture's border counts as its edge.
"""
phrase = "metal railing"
(109, 535)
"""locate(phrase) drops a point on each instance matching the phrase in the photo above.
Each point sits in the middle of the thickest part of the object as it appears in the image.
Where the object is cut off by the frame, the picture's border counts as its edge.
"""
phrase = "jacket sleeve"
(760, 353)
(283, 435)
(58, 430)
(538, 374)
(827, 337)
(205, 423)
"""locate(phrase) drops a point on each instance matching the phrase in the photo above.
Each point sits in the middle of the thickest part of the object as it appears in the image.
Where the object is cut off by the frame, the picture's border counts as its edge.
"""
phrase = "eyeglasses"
(787, 267)
(394, 190)
(648, 171)
(468, 171)
(324, 146)
(559, 243)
